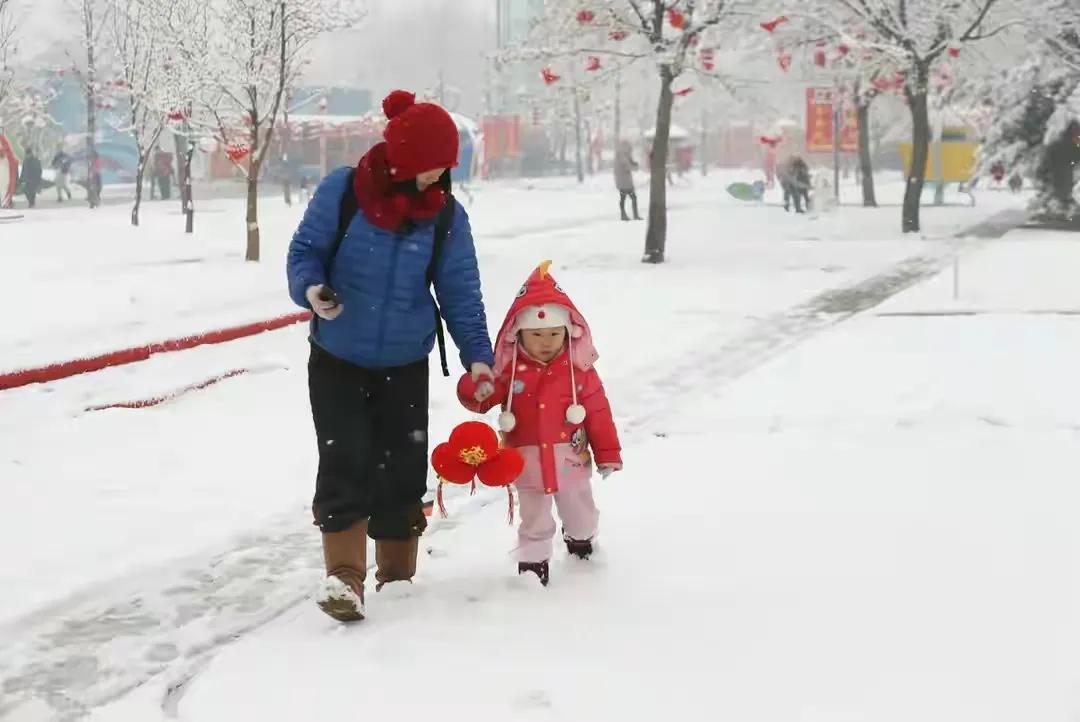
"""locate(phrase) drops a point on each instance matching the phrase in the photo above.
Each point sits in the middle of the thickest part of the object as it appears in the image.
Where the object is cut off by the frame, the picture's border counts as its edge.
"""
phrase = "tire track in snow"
(98, 646)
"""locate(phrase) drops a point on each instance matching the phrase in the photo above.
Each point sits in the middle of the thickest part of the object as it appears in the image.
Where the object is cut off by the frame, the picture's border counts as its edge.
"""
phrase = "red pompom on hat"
(419, 136)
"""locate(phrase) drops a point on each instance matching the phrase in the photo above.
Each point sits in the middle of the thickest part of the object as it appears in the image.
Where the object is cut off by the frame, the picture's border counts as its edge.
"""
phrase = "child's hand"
(607, 470)
(484, 390)
(483, 376)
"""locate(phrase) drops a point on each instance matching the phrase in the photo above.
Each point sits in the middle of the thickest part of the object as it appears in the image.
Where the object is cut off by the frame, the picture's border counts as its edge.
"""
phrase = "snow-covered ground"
(818, 521)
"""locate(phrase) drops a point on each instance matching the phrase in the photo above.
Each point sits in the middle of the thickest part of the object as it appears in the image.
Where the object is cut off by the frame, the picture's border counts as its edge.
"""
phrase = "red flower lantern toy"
(549, 76)
(618, 35)
(585, 16)
(592, 64)
(473, 450)
(676, 19)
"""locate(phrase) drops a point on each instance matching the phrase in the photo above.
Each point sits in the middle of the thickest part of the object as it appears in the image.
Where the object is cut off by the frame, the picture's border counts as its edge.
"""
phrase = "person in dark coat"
(61, 163)
(31, 177)
(794, 177)
(375, 326)
(624, 178)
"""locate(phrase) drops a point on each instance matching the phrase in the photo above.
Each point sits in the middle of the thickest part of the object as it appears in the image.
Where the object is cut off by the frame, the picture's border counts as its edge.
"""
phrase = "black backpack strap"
(346, 213)
(443, 222)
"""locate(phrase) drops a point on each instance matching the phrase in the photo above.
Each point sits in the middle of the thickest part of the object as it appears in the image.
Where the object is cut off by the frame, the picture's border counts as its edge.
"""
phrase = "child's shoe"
(580, 549)
(540, 569)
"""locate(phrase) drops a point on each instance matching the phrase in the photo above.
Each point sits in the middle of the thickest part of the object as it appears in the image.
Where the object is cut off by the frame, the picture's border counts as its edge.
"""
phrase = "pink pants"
(574, 501)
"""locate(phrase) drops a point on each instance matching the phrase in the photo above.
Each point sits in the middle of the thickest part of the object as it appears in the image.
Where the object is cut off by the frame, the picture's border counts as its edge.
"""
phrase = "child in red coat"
(554, 412)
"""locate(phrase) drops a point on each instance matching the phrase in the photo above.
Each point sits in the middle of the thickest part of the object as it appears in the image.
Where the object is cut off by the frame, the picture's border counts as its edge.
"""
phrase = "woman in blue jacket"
(375, 323)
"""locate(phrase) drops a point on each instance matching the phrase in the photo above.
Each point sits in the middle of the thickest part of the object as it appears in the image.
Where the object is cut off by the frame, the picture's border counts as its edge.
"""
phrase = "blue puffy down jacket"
(381, 278)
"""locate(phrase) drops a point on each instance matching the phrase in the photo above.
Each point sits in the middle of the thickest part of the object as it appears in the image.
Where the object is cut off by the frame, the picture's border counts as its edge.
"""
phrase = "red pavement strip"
(64, 369)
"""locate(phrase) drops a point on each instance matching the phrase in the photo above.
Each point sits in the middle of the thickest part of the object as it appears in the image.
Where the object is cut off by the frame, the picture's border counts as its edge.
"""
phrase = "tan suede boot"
(345, 553)
(395, 560)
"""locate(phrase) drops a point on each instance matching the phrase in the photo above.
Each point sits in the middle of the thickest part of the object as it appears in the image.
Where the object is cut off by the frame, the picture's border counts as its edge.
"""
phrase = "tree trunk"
(920, 151)
(866, 163)
(286, 171)
(704, 150)
(656, 233)
(579, 168)
(252, 213)
(186, 191)
(140, 172)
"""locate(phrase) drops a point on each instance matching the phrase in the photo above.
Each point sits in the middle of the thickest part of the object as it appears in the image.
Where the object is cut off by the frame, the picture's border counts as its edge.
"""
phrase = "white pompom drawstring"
(575, 414)
(507, 420)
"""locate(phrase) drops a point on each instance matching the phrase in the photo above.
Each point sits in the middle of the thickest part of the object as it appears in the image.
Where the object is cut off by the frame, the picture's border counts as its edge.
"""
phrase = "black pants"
(623, 195)
(371, 425)
(797, 192)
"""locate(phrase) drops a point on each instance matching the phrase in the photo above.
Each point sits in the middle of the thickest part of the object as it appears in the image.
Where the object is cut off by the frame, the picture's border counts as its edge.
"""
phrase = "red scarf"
(384, 205)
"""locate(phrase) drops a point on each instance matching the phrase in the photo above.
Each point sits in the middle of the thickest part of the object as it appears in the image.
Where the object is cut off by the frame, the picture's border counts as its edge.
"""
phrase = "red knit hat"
(419, 137)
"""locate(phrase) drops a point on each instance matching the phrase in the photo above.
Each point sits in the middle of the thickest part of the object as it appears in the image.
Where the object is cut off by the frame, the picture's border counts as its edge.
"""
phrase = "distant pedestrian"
(61, 164)
(31, 177)
(794, 177)
(624, 178)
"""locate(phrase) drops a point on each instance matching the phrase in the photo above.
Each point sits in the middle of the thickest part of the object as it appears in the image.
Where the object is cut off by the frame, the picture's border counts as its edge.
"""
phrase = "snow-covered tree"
(1032, 105)
(668, 33)
(245, 58)
(7, 48)
(93, 16)
(915, 37)
(140, 43)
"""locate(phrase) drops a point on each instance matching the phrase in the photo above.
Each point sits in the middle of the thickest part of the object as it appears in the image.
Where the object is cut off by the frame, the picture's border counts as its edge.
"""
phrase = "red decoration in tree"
(549, 76)
(784, 59)
(618, 35)
(684, 92)
(954, 52)
(819, 55)
(708, 56)
(237, 153)
(592, 64)
(771, 25)
(843, 50)
(676, 19)
(473, 449)
(584, 17)
(176, 115)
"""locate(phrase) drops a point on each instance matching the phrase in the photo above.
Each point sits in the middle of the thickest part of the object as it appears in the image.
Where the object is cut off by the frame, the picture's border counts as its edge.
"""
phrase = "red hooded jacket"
(542, 393)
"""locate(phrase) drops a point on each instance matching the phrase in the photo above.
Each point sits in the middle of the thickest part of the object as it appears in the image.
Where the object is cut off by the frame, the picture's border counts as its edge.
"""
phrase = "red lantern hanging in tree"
(771, 25)
(549, 76)
(592, 64)
(783, 58)
(676, 19)
(819, 55)
(708, 56)
(843, 50)
(176, 115)
(618, 35)
(954, 52)
(585, 16)
(237, 152)
(684, 92)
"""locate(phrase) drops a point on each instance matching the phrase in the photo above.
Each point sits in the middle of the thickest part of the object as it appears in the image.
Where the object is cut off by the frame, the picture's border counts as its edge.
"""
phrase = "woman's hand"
(328, 310)
(607, 470)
